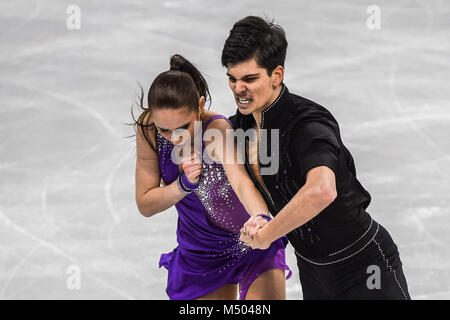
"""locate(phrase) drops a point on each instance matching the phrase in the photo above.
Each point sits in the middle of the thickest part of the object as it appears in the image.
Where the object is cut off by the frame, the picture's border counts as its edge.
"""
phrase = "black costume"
(335, 248)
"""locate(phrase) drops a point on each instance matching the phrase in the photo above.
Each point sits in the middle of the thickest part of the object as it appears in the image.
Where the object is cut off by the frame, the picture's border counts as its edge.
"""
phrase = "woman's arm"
(151, 198)
(241, 183)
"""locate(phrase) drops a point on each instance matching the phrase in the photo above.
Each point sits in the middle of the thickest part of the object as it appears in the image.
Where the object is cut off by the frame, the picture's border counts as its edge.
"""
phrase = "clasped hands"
(252, 235)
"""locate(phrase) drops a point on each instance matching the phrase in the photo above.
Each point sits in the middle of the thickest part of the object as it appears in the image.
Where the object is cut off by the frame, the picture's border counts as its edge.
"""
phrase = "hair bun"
(177, 62)
(181, 64)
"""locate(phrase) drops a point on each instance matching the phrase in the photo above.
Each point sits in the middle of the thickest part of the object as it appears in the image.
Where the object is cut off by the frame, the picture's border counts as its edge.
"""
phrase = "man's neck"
(257, 114)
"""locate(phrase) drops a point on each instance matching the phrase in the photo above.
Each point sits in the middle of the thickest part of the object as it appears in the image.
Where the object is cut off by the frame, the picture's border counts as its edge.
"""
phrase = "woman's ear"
(201, 104)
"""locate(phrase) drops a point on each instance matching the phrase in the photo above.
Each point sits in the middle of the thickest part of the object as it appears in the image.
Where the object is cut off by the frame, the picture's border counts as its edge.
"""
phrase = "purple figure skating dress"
(209, 253)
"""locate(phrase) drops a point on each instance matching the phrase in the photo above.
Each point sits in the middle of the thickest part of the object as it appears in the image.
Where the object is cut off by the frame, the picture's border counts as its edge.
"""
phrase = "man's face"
(253, 88)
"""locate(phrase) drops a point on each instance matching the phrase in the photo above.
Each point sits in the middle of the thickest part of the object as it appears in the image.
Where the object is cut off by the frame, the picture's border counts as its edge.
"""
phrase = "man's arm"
(315, 149)
(318, 193)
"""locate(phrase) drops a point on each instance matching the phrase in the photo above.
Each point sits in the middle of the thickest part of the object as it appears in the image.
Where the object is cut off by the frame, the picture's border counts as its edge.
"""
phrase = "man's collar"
(273, 109)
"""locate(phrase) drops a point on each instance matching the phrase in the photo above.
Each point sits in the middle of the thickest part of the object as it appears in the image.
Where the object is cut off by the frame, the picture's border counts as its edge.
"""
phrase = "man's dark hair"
(258, 38)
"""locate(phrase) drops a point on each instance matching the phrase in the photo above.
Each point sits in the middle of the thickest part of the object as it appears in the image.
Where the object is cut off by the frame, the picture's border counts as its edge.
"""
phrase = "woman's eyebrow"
(182, 127)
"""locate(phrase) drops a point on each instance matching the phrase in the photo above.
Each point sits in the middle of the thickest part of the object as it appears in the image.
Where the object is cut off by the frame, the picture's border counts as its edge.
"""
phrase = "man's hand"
(258, 241)
(253, 225)
(250, 235)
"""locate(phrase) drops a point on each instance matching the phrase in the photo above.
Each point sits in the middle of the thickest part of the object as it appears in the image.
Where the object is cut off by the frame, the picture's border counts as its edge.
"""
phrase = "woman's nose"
(178, 141)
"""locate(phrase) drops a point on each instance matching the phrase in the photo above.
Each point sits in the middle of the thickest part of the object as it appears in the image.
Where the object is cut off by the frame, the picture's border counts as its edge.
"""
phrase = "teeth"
(244, 100)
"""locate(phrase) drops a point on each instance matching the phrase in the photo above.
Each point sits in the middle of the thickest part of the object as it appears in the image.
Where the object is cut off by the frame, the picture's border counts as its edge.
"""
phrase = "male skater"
(315, 197)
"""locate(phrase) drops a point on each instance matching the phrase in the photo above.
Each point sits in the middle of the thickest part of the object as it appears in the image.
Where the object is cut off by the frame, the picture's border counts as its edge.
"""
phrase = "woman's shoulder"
(146, 132)
(215, 120)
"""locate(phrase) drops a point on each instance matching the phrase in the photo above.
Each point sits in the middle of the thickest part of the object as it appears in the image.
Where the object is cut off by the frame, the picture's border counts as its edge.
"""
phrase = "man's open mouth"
(243, 102)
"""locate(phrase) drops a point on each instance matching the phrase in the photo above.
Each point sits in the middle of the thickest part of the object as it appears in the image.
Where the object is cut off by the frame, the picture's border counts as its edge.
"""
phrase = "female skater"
(210, 260)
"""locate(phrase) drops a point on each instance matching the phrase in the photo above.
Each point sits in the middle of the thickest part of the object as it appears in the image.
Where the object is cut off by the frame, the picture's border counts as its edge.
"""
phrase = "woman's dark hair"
(181, 86)
(255, 37)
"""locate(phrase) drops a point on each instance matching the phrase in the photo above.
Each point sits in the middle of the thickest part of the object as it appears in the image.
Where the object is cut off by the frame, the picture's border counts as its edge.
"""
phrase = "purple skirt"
(194, 274)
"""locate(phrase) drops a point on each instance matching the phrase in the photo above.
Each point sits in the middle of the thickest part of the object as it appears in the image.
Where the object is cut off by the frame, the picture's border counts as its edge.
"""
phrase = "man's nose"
(239, 87)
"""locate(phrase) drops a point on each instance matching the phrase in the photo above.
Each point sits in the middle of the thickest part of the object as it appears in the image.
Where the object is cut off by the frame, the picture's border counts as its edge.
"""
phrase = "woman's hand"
(192, 167)
(258, 241)
(253, 225)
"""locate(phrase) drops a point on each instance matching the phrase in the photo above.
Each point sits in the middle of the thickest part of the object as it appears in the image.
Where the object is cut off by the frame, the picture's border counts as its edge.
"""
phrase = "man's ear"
(277, 76)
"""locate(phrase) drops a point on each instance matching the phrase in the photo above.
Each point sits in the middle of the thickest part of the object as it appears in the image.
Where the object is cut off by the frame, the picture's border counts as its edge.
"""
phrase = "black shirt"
(309, 137)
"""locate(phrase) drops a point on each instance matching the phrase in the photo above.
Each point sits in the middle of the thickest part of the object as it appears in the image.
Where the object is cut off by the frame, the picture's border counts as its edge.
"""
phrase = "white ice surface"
(67, 172)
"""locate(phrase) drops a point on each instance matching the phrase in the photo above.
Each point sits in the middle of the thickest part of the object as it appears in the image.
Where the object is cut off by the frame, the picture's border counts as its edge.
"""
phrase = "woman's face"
(169, 120)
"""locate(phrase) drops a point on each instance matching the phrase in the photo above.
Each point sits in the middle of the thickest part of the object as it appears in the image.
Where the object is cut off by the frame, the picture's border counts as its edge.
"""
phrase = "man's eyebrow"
(182, 127)
(246, 76)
